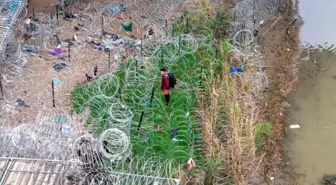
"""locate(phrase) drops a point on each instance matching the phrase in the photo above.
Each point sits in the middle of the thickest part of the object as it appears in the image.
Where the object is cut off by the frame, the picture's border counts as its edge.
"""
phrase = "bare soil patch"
(280, 47)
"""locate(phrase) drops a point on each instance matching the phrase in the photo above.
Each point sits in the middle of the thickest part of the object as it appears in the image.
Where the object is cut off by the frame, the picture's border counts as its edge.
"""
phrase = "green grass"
(135, 90)
(260, 130)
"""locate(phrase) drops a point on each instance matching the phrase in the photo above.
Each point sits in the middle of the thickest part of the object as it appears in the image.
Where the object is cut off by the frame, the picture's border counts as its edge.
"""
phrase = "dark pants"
(167, 96)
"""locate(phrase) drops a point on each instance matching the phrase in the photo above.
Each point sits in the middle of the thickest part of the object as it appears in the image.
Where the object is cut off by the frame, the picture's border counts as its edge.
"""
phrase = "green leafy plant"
(259, 131)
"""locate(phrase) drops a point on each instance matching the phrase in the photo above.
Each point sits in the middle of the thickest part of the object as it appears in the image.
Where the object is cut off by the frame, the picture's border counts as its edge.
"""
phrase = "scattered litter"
(59, 67)
(286, 105)
(150, 32)
(288, 49)
(156, 183)
(235, 69)
(20, 103)
(272, 178)
(148, 139)
(58, 39)
(59, 119)
(145, 102)
(117, 57)
(120, 16)
(70, 15)
(294, 126)
(128, 27)
(187, 115)
(176, 140)
(57, 52)
(174, 132)
(30, 48)
(88, 78)
(191, 164)
(66, 130)
(57, 82)
(131, 43)
(158, 127)
(114, 37)
(115, 9)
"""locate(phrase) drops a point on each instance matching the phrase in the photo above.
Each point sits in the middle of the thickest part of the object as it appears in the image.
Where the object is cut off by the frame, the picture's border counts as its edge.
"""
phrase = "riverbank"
(280, 50)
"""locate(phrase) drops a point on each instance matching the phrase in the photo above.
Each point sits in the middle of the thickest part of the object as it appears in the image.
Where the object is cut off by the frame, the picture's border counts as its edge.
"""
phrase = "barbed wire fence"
(58, 150)
(81, 157)
(248, 16)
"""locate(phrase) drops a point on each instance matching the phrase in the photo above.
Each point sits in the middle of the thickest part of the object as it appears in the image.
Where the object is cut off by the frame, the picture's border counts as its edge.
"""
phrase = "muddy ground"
(280, 48)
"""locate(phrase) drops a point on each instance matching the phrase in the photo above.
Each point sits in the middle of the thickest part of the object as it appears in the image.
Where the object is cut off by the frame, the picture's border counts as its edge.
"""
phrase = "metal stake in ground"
(173, 30)
(179, 43)
(140, 121)
(102, 20)
(136, 69)
(141, 47)
(33, 14)
(162, 55)
(201, 75)
(109, 61)
(2, 96)
(152, 96)
(166, 27)
(187, 31)
(120, 95)
(69, 51)
(57, 12)
(95, 70)
(53, 92)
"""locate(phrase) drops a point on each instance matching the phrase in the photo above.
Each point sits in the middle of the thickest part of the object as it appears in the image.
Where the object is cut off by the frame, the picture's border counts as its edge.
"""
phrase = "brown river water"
(312, 147)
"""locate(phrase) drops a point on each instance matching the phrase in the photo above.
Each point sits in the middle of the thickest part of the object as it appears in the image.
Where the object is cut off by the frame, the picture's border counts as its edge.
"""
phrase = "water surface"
(312, 148)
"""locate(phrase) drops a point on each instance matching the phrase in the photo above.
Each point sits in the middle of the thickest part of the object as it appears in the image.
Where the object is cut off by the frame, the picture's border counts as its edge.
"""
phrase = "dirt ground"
(33, 84)
(280, 47)
(41, 6)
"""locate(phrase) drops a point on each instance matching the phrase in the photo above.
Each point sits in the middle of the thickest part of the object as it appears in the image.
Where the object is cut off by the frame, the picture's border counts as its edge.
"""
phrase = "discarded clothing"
(114, 37)
(57, 52)
(30, 48)
(66, 130)
(69, 15)
(235, 69)
(174, 132)
(57, 82)
(115, 9)
(58, 119)
(150, 32)
(58, 39)
(20, 103)
(59, 67)
(88, 78)
(131, 43)
(128, 27)
(121, 16)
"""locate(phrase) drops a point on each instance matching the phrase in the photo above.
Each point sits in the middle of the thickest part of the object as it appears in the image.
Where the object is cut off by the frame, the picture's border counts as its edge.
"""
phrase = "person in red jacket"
(165, 84)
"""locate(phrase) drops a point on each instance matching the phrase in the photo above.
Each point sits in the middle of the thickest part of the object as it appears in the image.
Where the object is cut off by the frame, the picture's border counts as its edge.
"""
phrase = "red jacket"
(165, 82)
